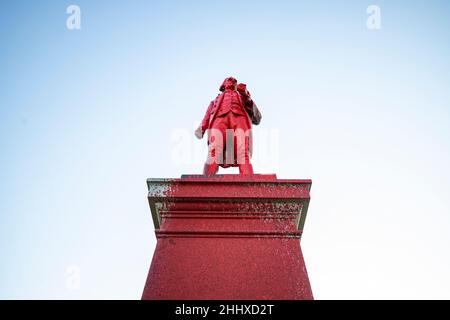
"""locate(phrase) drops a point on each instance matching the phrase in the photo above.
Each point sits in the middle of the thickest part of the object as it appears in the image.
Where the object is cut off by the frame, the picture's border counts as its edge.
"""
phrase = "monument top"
(229, 192)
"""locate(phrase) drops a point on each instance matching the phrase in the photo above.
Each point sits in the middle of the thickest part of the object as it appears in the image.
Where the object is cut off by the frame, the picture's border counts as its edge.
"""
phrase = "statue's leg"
(241, 144)
(245, 167)
(216, 143)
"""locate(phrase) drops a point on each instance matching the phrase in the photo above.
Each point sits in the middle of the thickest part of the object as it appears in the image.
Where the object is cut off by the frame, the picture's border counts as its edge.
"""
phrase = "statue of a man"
(228, 121)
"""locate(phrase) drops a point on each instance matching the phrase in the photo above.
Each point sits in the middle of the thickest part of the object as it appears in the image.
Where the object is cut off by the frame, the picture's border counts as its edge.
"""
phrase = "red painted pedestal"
(228, 237)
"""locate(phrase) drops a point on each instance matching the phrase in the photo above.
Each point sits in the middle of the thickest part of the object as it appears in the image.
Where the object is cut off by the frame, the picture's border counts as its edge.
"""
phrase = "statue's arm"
(249, 104)
(205, 122)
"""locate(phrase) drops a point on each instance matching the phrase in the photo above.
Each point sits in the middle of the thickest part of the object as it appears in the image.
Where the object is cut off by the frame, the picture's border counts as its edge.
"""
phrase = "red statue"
(228, 121)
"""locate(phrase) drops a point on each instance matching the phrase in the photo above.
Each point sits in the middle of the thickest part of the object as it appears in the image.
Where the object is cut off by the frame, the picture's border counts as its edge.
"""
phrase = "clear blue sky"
(87, 115)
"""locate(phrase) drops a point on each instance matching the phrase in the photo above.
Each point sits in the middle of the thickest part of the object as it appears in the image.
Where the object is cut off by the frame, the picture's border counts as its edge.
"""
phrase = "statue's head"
(228, 83)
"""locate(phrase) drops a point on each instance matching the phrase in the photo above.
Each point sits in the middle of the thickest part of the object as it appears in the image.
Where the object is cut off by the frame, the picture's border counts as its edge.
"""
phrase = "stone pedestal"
(228, 237)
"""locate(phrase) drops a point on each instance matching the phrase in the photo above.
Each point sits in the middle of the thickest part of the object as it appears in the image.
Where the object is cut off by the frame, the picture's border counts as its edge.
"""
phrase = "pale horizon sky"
(86, 116)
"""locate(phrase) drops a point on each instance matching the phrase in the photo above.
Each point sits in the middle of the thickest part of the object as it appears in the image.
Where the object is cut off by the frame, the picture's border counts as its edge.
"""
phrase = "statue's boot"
(246, 169)
(210, 169)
